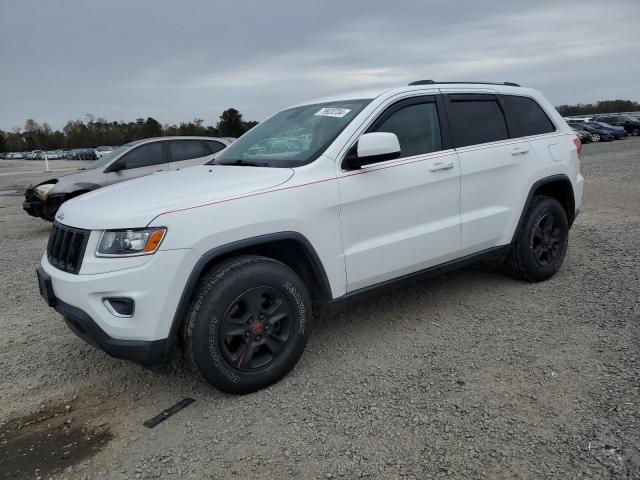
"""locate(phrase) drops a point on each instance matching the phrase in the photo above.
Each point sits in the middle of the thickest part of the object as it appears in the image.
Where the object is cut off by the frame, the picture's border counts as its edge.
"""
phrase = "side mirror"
(373, 148)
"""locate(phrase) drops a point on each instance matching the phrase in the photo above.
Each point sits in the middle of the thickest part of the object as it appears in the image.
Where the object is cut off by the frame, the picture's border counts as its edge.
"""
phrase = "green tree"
(602, 106)
(230, 123)
(3, 142)
(94, 131)
(152, 128)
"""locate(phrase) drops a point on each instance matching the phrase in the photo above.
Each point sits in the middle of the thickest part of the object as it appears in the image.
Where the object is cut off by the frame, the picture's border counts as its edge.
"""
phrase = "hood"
(54, 176)
(136, 202)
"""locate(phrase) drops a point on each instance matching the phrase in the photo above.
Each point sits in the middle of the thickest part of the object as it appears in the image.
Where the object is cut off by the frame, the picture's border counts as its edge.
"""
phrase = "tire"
(635, 132)
(595, 138)
(227, 345)
(541, 243)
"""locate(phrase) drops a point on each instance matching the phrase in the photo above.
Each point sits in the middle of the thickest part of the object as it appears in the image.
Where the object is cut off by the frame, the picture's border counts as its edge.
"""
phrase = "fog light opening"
(119, 306)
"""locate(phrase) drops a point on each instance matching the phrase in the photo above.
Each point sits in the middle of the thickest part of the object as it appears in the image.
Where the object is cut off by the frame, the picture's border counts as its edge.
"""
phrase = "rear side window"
(525, 116)
(416, 127)
(144, 156)
(476, 118)
(214, 146)
(187, 149)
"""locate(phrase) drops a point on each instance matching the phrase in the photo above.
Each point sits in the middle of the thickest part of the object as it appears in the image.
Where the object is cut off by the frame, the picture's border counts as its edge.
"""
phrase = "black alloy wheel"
(256, 328)
(546, 240)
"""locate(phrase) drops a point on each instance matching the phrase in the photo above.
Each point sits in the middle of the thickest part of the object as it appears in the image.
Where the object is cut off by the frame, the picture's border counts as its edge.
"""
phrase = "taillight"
(578, 144)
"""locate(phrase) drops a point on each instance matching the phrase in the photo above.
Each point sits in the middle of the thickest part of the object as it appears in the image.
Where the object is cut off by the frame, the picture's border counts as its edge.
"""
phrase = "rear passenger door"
(400, 216)
(497, 164)
(188, 152)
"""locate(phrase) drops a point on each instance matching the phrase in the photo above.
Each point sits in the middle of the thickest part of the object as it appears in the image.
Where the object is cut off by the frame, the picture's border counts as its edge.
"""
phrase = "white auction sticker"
(332, 112)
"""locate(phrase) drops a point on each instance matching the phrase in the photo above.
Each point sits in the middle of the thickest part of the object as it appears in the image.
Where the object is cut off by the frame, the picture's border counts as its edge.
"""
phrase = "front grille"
(66, 246)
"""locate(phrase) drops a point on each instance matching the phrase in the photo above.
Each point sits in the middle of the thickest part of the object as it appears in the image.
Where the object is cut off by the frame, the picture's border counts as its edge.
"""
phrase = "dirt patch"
(47, 442)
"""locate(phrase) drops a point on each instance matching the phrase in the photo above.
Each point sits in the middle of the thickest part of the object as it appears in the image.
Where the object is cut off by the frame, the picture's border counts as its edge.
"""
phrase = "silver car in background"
(44, 196)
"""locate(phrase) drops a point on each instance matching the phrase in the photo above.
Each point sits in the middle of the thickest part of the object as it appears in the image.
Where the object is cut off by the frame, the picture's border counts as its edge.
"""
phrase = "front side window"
(187, 149)
(417, 128)
(476, 118)
(144, 156)
(525, 117)
(109, 157)
(292, 137)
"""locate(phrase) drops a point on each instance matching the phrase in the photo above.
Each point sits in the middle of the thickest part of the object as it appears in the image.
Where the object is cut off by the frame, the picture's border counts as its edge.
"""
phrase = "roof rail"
(430, 82)
(422, 82)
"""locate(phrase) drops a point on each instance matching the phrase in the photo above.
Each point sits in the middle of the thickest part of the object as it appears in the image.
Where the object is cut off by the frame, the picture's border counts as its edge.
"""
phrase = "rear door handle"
(519, 151)
(440, 166)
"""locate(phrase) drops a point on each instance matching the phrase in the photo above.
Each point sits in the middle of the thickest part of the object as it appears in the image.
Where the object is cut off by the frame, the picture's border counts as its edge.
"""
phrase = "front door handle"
(519, 151)
(441, 166)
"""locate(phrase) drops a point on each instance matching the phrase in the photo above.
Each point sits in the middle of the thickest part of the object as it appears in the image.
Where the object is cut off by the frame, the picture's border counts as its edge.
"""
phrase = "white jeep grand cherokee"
(318, 205)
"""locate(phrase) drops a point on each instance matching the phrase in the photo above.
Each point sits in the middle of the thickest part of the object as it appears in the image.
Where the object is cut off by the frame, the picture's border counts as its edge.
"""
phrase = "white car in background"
(35, 155)
(44, 195)
(102, 151)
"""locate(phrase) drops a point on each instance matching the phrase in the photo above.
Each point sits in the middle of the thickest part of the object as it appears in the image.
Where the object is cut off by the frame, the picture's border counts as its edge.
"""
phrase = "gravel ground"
(470, 375)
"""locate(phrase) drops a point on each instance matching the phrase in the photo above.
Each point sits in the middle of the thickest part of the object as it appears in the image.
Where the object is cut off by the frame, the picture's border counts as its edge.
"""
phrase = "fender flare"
(216, 252)
(543, 181)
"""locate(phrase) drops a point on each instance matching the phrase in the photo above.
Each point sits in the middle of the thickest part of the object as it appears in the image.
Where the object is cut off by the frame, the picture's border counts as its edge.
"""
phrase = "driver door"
(401, 216)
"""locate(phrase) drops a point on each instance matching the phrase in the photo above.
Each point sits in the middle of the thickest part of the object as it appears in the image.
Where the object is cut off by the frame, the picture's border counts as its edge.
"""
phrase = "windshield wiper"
(243, 163)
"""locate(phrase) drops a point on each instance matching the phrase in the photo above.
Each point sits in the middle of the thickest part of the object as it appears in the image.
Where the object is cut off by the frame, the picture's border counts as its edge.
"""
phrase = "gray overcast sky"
(175, 61)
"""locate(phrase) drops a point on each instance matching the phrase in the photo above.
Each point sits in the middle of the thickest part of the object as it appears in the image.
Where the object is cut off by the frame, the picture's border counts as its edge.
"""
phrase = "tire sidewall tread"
(520, 262)
(216, 289)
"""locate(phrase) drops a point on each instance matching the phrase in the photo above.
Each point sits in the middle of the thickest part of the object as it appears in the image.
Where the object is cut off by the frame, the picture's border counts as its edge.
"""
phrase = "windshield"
(104, 161)
(292, 137)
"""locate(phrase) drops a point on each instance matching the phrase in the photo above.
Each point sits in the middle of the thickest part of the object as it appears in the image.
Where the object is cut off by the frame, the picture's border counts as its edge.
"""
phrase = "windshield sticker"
(332, 112)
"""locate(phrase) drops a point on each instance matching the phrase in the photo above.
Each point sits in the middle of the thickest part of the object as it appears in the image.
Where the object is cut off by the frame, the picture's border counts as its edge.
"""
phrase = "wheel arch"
(555, 186)
(291, 248)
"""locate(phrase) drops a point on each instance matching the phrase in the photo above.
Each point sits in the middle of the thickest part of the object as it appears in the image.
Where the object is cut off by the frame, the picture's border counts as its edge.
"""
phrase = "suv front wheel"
(248, 324)
(541, 243)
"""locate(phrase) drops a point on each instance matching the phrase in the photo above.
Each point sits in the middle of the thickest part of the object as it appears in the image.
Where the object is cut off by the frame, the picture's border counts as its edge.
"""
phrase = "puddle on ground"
(47, 442)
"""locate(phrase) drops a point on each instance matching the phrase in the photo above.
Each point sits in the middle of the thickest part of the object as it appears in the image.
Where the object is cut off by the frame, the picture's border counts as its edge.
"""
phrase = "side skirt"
(494, 253)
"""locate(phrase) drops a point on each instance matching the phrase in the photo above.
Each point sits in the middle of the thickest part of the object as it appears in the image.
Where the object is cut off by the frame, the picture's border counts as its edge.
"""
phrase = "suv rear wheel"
(541, 243)
(248, 324)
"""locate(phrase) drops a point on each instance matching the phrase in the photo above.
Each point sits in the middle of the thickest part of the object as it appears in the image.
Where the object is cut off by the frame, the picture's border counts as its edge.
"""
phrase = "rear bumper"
(148, 353)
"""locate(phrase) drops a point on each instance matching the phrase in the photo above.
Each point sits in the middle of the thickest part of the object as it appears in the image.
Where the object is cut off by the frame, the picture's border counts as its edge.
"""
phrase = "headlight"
(42, 191)
(134, 241)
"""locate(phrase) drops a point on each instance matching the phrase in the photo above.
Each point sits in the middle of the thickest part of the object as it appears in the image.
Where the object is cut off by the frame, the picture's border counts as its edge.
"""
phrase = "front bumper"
(147, 353)
(155, 286)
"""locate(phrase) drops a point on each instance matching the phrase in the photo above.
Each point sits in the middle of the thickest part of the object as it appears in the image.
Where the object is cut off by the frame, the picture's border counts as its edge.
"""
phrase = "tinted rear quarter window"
(526, 117)
(187, 149)
(475, 119)
(214, 146)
